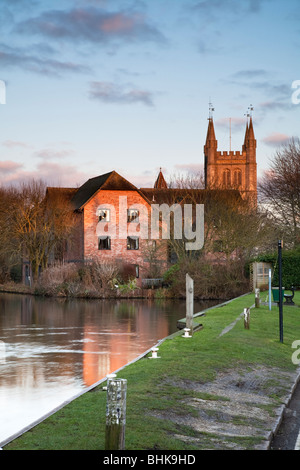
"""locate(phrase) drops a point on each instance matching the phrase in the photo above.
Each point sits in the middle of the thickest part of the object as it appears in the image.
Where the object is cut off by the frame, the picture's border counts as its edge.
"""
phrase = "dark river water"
(51, 349)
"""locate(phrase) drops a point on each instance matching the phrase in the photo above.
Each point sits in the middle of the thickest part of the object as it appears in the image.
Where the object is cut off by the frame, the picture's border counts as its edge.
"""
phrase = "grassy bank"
(161, 393)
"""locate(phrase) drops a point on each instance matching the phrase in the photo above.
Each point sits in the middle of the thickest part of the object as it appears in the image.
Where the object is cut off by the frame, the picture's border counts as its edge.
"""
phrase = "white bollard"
(154, 353)
(187, 333)
(109, 376)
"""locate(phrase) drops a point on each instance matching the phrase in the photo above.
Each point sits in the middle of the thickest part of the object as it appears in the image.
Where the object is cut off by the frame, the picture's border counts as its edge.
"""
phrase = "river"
(52, 349)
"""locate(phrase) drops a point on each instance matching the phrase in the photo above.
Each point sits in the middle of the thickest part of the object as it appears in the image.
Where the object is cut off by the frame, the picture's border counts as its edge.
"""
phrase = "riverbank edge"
(266, 443)
(180, 322)
(138, 293)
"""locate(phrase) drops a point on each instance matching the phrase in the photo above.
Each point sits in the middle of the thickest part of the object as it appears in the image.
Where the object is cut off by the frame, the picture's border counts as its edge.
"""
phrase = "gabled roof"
(108, 181)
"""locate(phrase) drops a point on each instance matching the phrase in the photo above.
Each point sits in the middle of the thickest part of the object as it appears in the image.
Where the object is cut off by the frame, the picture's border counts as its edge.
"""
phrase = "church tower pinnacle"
(160, 182)
(231, 169)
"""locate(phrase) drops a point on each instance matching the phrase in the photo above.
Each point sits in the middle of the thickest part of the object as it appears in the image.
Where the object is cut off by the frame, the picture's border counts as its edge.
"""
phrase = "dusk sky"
(99, 85)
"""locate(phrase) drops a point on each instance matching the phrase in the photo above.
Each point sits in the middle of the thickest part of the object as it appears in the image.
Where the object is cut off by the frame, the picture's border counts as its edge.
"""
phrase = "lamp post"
(270, 289)
(280, 290)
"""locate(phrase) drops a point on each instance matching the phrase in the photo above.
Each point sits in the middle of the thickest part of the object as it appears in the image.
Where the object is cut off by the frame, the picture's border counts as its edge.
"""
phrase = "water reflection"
(52, 349)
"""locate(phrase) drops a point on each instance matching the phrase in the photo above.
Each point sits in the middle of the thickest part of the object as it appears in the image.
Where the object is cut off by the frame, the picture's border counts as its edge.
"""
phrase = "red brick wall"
(118, 251)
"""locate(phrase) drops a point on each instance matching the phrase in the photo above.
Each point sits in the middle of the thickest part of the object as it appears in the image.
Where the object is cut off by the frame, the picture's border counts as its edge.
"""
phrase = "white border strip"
(297, 446)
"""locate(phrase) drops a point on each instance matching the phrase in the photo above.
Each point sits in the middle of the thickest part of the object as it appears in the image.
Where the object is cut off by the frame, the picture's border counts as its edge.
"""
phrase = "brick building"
(112, 224)
(113, 217)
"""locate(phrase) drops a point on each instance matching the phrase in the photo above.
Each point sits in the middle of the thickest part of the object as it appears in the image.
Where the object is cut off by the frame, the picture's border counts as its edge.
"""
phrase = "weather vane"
(211, 109)
(249, 112)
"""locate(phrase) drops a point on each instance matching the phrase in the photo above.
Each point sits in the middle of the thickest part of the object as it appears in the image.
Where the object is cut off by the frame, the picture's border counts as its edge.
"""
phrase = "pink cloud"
(15, 143)
(53, 174)
(117, 24)
(276, 139)
(92, 24)
(9, 166)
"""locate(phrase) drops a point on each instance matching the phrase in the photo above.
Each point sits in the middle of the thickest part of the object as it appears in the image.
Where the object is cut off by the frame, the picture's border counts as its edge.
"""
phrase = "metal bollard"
(115, 413)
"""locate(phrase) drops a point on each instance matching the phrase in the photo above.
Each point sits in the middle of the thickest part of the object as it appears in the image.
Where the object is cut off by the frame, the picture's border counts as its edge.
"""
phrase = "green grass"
(155, 386)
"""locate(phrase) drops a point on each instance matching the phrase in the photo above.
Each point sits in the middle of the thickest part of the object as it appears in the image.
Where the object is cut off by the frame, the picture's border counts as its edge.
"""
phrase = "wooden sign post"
(257, 299)
(189, 303)
(247, 318)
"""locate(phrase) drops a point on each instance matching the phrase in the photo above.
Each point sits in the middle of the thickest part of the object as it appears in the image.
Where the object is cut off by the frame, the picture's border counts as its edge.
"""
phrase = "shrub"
(211, 281)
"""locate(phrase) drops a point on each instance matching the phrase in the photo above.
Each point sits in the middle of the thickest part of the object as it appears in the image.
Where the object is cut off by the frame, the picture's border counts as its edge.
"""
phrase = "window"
(132, 243)
(137, 271)
(104, 215)
(226, 178)
(104, 243)
(132, 215)
(237, 176)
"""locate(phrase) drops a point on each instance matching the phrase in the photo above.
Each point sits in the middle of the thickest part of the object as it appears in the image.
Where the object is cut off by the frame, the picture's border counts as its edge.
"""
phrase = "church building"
(233, 169)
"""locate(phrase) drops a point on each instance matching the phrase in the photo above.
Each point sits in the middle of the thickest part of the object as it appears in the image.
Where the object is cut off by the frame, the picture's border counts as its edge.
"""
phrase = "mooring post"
(115, 414)
(247, 318)
(257, 299)
(189, 303)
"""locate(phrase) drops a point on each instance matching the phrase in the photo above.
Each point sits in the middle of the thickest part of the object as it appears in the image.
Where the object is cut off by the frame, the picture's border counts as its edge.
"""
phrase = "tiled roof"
(186, 196)
(108, 181)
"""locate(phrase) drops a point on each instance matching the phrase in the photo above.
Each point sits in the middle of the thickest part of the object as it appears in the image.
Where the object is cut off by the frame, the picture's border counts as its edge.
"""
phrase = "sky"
(91, 86)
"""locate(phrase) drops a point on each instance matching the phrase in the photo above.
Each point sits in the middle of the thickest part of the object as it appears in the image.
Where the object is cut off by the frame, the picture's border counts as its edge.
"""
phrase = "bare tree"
(233, 226)
(31, 225)
(279, 190)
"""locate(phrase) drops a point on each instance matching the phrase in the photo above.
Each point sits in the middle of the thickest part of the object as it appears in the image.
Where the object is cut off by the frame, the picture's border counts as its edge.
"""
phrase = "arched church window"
(226, 178)
(237, 177)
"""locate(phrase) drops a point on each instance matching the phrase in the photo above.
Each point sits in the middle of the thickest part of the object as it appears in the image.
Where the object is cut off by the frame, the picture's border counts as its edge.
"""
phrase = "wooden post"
(257, 299)
(247, 318)
(189, 303)
(115, 414)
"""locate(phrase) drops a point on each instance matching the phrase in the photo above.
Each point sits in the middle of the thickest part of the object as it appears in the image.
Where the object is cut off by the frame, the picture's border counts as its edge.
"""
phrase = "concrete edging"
(282, 409)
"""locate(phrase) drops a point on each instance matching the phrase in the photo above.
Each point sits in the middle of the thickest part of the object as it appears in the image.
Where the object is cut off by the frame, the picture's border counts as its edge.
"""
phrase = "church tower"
(233, 169)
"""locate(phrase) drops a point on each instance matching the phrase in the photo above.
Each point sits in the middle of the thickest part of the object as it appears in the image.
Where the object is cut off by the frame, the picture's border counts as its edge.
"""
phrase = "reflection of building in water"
(120, 345)
(58, 341)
